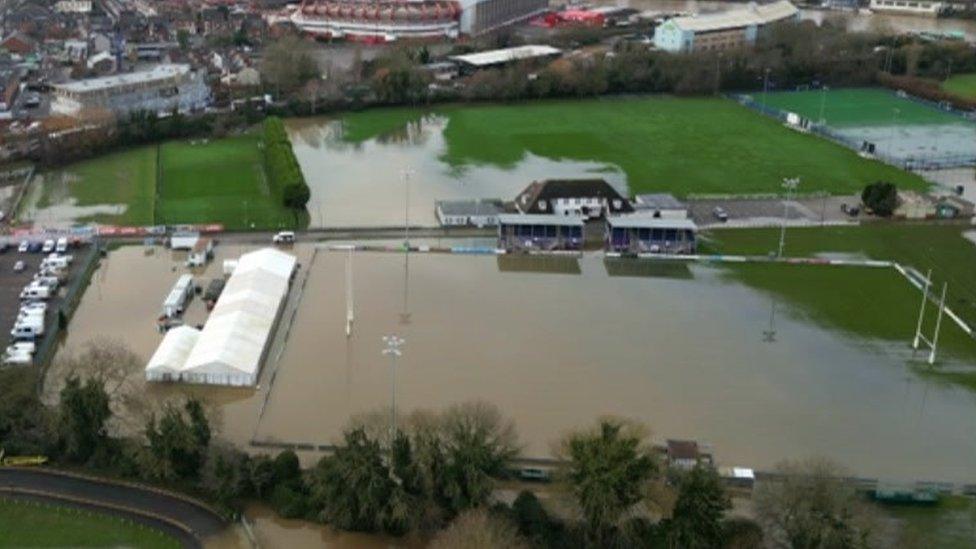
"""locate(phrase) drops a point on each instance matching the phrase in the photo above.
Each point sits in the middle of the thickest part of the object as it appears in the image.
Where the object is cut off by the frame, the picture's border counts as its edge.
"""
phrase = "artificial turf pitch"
(858, 107)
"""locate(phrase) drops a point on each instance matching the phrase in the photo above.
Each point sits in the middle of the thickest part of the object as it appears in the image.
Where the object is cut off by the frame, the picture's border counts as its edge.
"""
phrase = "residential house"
(685, 454)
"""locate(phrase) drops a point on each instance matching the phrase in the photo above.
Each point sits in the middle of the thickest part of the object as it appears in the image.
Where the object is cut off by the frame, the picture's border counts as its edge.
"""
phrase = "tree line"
(281, 167)
(436, 474)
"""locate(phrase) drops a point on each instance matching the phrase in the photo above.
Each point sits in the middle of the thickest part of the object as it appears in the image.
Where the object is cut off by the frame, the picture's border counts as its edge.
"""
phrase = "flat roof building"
(505, 56)
(164, 88)
(537, 232)
(730, 29)
(477, 213)
(646, 234)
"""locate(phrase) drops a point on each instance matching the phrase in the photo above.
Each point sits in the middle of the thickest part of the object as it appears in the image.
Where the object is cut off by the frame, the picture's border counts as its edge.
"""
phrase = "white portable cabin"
(201, 253)
(178, 296)
(184, 240)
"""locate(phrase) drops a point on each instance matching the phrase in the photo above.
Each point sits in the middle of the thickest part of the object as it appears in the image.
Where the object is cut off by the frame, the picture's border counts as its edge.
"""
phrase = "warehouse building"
(492, 59)
(390, 20)
(162, 89)
(731, 29)
(231, 347)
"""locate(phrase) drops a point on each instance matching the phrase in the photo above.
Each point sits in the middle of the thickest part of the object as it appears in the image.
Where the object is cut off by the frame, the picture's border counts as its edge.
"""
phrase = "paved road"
(180, 517)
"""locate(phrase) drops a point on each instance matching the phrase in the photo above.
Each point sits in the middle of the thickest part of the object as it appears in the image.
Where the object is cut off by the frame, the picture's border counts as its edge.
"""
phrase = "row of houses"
(564, 214)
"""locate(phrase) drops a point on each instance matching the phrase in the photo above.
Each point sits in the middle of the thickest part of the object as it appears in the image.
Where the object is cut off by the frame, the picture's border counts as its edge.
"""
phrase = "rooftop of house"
(552, 189)
(683, 449)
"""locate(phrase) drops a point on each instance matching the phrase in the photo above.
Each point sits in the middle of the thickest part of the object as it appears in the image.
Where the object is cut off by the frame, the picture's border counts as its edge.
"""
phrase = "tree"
(881, 197)
(296, 196)
(696, 520)
(535, 523)
(287, 64)
(353, 485)
(608, 472)
(83, 412)
(477, 529)
(261, 474)
(177, 445)
(741, 533)
(478, 444)
(808, 505)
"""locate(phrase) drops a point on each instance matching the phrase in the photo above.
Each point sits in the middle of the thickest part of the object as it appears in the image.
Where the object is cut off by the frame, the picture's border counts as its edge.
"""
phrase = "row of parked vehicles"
(31, 318)
(48, 246)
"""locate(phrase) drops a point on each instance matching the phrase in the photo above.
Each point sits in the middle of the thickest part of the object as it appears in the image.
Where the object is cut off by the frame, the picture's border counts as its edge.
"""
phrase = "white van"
(49, 281)
(28, 330)
(31, 314)
(62, 245)
(17, 357)
(284, 237)
(54, 263)
(34, 291)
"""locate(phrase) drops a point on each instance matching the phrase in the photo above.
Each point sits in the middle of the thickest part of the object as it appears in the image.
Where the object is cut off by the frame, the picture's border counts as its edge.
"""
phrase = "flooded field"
(556, 343)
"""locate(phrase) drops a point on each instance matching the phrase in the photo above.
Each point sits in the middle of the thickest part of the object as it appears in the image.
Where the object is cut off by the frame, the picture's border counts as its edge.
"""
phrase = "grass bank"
(963, 85)
(30, 524)
(678, 145)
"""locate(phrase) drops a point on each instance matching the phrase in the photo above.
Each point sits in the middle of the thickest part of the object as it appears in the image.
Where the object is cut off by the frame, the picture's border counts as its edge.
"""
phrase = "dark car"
(35, 247)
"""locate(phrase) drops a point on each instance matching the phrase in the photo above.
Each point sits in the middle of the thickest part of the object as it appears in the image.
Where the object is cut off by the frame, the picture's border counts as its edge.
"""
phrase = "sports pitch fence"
(934, 161)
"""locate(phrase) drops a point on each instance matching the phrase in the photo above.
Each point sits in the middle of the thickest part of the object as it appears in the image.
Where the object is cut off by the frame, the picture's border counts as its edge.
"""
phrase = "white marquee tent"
(230, 348)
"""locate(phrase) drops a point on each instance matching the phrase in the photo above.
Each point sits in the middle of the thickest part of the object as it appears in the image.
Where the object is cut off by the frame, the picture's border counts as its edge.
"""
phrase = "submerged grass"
(950, 525)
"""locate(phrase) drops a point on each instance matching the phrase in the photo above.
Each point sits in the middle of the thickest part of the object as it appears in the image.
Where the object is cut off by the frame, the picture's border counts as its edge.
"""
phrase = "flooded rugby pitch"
(556, 343)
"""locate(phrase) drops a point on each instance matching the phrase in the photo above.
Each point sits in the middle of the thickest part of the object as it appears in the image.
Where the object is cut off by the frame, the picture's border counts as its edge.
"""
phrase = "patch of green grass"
(29, 524)
(963, 85)
(126, 177)
(858, 107)
(874, 303)
(949, 525)
(677, 145)
(219, 181)
(374, 123)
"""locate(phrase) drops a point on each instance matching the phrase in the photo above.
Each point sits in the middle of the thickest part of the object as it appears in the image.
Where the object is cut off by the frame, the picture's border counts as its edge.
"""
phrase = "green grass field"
(963, 85)
(858, 107)
(871, 303)
(673, 145)
(218, 181)
(29, 524)
(127, 177)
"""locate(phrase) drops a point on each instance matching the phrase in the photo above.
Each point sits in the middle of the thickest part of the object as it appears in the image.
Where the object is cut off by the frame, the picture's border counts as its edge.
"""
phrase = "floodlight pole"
(392, 349)
(938, 323)
(349, 294)
(406, 208)
(765, 87)
(921, 311)
(790, 184)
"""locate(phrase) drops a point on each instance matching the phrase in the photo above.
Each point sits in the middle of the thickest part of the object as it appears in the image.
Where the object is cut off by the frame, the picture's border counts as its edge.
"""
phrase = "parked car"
(19, 266)
(4, 247)
(35, 247)
(284, 237)
(19, 358)
(48, 246)
(720, 214)
(62, 245)
(23, 247)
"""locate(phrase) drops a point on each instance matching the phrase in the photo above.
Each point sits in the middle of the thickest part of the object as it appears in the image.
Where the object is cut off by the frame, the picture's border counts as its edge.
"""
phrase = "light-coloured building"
(462, 213)
(390, 20)
(660, 205)
(73, 6)
(721, 31)
(505, 56)
(162, 89)
(231, 347)
(907, 7)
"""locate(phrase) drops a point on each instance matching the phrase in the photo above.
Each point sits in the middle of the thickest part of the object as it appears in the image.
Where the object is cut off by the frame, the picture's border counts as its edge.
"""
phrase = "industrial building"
(231, 347)
(162, 89)
(390, 20)
(725, 30)
(472, 62)
(646, 234)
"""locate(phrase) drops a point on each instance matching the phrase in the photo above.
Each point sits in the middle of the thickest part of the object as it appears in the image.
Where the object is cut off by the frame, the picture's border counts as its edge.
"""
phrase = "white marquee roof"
(234, 338)
(752, 14)
(172, 352)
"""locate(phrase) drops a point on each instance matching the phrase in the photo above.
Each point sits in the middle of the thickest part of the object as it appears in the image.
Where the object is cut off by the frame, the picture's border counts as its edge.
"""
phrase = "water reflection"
(538, 264)
(622, 266)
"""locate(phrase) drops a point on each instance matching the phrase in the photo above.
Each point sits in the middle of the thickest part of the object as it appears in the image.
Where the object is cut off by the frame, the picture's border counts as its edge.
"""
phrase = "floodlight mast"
(392, 350)
(790, 184)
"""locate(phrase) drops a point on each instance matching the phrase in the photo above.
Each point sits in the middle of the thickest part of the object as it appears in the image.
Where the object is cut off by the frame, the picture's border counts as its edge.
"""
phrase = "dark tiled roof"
(682, 449)
(551, 189)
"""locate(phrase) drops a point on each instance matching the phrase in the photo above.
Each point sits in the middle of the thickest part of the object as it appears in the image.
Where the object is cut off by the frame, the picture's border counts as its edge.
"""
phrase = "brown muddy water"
(363, 184)
(556, 343)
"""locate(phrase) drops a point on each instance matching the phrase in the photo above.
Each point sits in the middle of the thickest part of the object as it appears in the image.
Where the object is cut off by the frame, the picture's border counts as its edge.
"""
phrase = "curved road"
(182, 517)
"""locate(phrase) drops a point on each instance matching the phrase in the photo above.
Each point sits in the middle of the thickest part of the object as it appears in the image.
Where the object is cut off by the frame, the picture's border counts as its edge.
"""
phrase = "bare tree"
(809, 505)
(476, 529)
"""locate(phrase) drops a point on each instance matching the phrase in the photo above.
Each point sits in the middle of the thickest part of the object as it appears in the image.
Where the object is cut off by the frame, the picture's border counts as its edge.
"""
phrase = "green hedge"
(284, 174)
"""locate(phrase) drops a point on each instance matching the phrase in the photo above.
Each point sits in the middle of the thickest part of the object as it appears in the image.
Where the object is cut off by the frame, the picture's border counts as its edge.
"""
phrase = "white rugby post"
(392, 350)
(938, 324)
(921, 311)
(920, 338)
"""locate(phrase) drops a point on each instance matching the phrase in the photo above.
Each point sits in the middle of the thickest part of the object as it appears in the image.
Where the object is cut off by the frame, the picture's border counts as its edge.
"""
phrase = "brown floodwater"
(556, 344)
